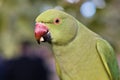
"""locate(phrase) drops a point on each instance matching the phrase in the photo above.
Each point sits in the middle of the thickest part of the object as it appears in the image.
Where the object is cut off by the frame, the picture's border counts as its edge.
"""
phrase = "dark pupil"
(57, 21)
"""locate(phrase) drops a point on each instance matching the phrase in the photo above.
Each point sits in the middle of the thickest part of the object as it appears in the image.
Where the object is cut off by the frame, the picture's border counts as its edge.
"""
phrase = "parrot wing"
(108, 59)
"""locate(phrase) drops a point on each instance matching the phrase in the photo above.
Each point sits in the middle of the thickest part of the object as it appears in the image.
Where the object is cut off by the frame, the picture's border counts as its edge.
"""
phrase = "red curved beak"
(40, 30)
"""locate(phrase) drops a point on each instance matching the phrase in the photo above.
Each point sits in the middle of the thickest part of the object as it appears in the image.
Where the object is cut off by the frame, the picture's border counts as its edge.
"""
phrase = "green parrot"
(80, 54)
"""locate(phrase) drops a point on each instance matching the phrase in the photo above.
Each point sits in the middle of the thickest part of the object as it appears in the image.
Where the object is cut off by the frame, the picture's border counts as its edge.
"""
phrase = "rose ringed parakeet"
(80, 54)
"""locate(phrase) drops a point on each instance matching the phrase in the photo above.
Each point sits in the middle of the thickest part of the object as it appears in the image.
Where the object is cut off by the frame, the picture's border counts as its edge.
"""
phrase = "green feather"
(108, 58)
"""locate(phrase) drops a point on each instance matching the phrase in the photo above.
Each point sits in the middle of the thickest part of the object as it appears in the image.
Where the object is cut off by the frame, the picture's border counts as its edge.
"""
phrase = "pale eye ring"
(57, 21)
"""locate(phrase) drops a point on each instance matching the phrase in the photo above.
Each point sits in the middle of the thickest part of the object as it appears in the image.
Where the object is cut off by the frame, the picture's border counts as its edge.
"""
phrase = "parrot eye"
(57, 21)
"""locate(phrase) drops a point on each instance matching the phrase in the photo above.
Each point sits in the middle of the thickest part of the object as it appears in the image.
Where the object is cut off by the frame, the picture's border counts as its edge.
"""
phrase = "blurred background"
(17, 20)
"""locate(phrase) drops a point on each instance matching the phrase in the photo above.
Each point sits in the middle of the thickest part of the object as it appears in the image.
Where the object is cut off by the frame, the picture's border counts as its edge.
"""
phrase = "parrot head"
(55, 27)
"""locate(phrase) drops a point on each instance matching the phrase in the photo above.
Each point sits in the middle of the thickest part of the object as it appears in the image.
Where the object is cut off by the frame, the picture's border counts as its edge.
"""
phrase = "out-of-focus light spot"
(88, 9)
(59, 8)
(100, 3)
(73, 1)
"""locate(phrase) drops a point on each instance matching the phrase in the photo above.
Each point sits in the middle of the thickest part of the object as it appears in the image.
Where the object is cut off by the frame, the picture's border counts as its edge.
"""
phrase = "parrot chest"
(80, 62)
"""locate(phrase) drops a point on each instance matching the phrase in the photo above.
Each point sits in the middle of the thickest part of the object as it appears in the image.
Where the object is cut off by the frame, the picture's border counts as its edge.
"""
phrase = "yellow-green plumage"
(80, 54)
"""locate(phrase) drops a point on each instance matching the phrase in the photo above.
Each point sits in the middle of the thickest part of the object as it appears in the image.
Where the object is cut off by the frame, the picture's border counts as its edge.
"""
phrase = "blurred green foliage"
(17, 21)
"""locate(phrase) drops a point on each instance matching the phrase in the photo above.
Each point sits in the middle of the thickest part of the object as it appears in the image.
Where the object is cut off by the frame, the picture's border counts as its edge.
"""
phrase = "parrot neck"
(75, 52)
